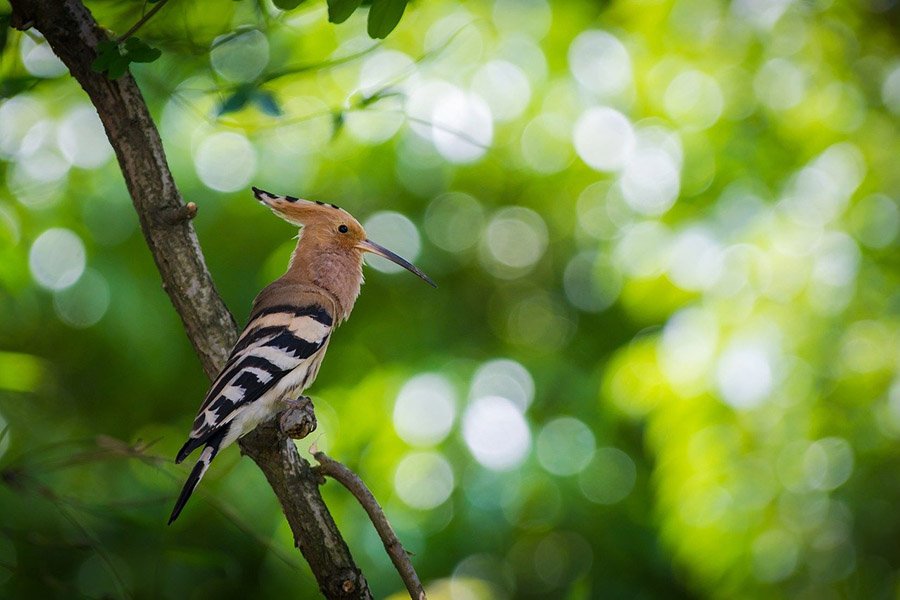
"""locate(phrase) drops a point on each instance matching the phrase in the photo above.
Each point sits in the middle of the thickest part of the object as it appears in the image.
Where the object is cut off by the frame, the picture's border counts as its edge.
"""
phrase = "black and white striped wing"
(275, 347)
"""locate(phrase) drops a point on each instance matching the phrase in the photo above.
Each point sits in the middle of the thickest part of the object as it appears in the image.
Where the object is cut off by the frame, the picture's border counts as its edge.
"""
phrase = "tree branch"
(356, 486)
(73, 34)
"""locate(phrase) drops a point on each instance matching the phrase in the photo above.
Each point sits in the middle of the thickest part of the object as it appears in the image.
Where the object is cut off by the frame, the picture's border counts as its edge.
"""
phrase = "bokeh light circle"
(424, 480)
(496, 433)
(454, 221)
(505, 88)
(565, 446)
(695, 99)
(84, 303)
(225, 161)
(82, 139)
(505, 378)
(57, 258)
(240, 56)
(604, 139)
(462, 126)
(515, 239)
(38, 57)
(609, 478)
(425, 410)
(600, 62)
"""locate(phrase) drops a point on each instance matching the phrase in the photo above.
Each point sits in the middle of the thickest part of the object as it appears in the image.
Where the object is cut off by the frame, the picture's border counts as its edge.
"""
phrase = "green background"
(661, 361)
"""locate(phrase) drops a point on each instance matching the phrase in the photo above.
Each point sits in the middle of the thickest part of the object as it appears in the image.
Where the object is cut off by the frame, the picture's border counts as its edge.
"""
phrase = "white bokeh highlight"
(225, 162)
(600, 62)
(462, 126)
(240, 57)
(504, 87)
(38, 58)
(514, 240)
(496, 433)
(17, 116)
(506, 378)
(425, 410)
(688, 347)
(651, 179)
(82, 139)
(744, 374)
(83, 304)
(604, 139)
(424, 480)
(565, 446)
(694, 99)
(57, 258)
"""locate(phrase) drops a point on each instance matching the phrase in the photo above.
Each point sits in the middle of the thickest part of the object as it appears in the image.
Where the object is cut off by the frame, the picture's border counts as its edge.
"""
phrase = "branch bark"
(73, 34)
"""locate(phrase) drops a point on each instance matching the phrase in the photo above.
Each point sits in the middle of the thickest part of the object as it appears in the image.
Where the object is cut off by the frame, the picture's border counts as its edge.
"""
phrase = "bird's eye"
(343, 229)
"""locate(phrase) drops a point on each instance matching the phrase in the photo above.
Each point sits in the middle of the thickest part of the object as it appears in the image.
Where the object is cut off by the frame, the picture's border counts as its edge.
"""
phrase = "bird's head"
(328, 228)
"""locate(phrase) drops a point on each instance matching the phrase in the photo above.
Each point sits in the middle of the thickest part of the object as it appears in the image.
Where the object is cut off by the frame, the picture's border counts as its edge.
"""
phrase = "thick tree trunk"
(74, 34)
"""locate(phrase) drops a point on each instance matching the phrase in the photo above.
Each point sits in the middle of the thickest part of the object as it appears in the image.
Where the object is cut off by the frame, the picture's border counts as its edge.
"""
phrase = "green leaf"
(267, 103)
(107, 52)
(340, 10)
(287, 4)
(118, 67)
(384, 16)
(114, 58)
(235, 101)
(139, 51)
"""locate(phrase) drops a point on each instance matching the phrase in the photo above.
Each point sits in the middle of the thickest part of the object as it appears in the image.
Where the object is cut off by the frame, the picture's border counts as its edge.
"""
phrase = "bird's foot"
(298, 419)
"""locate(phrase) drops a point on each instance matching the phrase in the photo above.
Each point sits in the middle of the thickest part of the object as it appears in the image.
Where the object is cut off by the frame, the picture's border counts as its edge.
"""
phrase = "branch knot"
(298, 420)
(178, 214)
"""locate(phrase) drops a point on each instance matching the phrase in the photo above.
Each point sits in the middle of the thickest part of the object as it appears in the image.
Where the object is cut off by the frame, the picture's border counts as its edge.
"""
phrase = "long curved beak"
(370, 246)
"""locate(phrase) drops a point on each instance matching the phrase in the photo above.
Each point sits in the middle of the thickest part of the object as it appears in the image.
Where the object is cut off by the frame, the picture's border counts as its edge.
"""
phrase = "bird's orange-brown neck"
(336, 270)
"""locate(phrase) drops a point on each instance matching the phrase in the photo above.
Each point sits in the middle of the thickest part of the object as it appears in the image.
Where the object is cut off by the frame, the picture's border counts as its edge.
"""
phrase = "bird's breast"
(303, 376)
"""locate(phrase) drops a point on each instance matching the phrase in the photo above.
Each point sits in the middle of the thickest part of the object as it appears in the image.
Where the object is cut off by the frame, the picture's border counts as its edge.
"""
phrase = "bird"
(279, 352)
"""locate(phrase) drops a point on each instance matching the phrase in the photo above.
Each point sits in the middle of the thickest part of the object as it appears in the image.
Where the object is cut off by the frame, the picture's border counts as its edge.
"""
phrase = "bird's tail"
(209, 453)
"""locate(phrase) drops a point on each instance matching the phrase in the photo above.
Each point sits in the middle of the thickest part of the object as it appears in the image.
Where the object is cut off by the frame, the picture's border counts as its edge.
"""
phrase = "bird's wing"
(279, 339)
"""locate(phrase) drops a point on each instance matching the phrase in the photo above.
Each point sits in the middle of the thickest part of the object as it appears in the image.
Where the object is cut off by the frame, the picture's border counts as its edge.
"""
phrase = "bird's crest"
(303, 213)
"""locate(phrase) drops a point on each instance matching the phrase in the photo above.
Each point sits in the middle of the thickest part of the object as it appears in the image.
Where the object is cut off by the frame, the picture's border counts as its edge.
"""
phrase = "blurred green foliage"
(663, 357)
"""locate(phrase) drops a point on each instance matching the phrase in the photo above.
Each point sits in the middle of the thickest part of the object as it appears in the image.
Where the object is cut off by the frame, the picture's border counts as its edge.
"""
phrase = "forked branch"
(399, 556)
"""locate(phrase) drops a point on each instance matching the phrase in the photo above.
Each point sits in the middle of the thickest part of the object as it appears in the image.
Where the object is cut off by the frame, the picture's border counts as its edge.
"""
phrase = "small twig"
(149, 14)
(174, 216)
(320, 66)
(350, 480)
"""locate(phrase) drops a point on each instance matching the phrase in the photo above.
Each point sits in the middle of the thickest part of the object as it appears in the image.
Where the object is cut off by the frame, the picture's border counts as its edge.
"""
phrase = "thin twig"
(320, 66)
(350, 480)
(147, 16)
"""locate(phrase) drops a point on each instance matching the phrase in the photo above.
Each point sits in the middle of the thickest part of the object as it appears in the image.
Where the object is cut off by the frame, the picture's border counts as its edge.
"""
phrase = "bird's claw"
(298, 419)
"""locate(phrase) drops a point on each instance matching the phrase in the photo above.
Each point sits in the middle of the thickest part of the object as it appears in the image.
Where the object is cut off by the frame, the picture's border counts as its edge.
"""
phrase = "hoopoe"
(278, 354)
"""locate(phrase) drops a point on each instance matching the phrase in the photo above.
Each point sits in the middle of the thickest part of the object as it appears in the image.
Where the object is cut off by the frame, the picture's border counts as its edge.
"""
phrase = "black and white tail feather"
(278, 354)
(209, 453)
